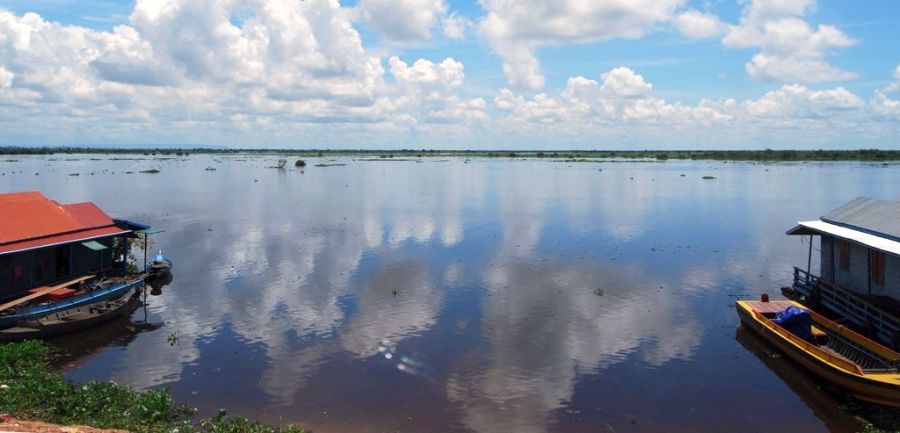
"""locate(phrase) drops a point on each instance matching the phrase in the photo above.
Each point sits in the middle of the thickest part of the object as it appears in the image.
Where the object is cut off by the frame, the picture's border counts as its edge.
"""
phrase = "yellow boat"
(835, 353)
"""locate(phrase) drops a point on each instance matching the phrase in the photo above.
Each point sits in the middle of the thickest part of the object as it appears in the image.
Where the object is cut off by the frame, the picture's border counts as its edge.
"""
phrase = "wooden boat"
(159, 265)
(866, 369)
(30, 309)
(73, 319)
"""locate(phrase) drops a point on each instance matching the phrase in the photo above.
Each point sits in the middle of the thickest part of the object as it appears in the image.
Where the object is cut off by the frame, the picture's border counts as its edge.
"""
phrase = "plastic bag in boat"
(796, 320)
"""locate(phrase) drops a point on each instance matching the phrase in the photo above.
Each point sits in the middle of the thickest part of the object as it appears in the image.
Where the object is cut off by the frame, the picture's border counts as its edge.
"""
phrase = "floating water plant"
(151, 171)
(300, 163)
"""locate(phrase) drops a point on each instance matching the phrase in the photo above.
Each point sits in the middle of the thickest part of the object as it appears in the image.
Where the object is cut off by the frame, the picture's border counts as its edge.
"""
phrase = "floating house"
(43, 242)
(859, 275)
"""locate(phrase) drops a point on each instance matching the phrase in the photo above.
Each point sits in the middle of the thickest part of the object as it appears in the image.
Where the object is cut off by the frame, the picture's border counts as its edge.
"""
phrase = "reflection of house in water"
(859, 277)
(43, 242)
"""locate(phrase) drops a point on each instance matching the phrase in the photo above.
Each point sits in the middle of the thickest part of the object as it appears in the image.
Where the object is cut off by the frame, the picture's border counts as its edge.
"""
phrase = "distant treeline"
(720, 155)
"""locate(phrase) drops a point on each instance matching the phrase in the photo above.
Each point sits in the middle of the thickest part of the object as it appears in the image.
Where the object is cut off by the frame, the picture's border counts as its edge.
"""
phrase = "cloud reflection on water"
(287, 278)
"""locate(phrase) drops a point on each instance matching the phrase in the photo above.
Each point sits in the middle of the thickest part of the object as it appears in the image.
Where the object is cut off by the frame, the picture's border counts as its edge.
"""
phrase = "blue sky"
(451, 74)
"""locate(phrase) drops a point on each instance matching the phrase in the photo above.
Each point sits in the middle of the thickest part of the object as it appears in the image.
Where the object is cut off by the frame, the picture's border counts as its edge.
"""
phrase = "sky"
(451, 74)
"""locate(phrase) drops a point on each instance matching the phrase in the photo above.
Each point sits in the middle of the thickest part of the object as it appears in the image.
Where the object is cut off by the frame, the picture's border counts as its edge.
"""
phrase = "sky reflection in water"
(446, 295)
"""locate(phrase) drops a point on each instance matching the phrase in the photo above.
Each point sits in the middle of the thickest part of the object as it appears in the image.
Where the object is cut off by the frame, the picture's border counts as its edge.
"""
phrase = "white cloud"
(796, 101)
(428, 90)
(455, 26)
(187, 65)
(620, 95)
(695, 24)
(624, 82)
(885, 108)
(6, 77)
(790, 48)
(895, 86)
(403, 20)
(621, 106)
(516, 29)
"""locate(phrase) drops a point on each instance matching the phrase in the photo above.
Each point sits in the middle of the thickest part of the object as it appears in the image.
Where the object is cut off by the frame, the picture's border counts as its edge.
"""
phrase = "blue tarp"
(796, 320)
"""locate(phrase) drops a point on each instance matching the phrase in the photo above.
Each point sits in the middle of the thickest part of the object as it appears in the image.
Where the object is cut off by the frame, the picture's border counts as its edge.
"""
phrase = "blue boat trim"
(98, 295)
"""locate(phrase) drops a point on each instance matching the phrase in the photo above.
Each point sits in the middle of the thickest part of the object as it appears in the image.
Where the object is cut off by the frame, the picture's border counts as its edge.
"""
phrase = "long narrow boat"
(835, 353)
(73, 319)
(104, 290)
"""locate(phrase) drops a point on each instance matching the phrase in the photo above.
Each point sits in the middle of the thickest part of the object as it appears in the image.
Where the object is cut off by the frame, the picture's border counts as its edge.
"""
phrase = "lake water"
(446, 295)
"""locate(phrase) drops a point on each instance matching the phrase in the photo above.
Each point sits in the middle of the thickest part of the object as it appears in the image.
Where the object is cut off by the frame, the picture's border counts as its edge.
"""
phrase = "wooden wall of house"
(856, 278)
(826, 254)
(892, 276)
(29, 269)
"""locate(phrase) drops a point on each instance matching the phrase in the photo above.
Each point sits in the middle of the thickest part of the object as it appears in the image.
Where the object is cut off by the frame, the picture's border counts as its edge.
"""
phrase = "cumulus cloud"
(187, 63)
(515, 30)
(403, 20)
(622, 105)
(620, 95)
(885, 108)
(893, 87)
(790, 48)
(455, 26)
(429, 89)
(796, 101)
(695, 24)
(214, 71)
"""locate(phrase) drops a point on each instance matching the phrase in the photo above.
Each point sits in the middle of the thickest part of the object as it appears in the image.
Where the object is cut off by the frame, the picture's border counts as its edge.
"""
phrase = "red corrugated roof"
(30, 220)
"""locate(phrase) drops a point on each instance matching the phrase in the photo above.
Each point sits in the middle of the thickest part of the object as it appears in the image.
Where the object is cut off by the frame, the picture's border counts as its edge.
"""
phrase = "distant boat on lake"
(63, 267)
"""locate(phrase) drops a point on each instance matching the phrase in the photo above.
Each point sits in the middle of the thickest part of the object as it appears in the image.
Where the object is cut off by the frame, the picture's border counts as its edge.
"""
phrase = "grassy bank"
(29, 389)
(766, 155)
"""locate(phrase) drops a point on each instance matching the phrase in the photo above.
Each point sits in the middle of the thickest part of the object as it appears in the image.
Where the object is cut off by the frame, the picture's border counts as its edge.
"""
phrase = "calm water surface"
(459, 296)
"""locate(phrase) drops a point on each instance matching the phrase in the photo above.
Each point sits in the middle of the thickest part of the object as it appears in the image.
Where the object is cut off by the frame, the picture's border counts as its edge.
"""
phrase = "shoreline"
(766, 155)
(32, 394)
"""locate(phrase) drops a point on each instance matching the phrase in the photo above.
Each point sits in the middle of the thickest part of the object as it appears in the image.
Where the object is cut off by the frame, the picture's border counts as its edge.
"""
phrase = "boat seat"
(820, 337)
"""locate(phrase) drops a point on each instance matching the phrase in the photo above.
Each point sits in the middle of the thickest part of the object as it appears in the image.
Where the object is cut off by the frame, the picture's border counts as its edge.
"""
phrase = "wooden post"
(809, 258)
(145, 252)
(869, 271)
(832, 259)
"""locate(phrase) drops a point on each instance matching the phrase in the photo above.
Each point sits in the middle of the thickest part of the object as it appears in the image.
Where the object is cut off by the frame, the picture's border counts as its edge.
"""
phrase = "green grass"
(29, 389)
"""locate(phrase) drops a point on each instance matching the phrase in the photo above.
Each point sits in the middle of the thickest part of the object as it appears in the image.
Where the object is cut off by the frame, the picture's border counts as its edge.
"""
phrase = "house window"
(845, 256)
(878, 267)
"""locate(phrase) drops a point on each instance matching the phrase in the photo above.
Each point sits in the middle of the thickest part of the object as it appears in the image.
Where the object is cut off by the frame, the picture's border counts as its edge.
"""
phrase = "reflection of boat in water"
(824, 405)
(829, 350)
(159, 273)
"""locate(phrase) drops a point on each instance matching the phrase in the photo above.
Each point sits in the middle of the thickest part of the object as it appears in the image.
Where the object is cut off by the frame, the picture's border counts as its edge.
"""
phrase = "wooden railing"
(852, 307)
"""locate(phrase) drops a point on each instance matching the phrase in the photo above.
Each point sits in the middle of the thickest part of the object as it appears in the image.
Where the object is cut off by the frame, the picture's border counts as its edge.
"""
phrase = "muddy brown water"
(459, 296)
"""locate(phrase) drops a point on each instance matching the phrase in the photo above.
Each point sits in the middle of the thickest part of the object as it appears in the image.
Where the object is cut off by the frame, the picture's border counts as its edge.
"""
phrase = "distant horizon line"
(206, 148)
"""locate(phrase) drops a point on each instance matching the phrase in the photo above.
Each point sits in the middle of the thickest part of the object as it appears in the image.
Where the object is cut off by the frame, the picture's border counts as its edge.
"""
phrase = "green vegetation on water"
(30, 390)
(767, 155)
